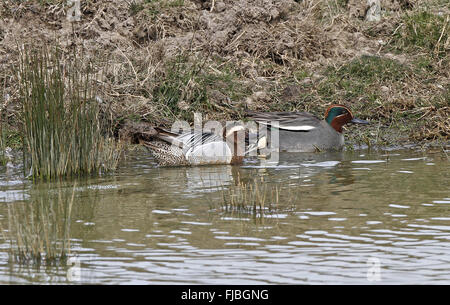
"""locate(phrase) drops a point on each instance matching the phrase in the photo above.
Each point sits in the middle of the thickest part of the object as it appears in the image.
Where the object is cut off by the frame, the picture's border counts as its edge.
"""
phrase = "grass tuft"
(60, 115)
(186, 87)
(253, 196)
(359, 77)
(423, 30)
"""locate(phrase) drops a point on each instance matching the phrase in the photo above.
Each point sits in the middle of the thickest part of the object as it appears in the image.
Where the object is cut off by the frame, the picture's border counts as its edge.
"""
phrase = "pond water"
(332, 218)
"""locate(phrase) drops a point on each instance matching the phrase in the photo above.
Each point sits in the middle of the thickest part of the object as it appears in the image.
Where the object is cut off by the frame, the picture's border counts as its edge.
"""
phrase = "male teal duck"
(195, 148)
(303, 132)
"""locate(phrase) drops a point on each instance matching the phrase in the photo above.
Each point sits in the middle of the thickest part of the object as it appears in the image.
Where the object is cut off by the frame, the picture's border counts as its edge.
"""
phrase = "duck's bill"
(359, 121)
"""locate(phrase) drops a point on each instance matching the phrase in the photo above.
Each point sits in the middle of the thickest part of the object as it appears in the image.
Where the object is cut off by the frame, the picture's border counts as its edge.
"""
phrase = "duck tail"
(162, 153)
(151, 145)
(164, 132)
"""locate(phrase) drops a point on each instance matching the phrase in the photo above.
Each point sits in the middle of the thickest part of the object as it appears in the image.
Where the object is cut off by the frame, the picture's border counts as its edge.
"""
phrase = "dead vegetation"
(164, 59)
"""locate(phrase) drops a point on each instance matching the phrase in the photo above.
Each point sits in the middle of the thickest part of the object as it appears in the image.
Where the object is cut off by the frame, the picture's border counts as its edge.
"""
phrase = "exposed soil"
(158, 61)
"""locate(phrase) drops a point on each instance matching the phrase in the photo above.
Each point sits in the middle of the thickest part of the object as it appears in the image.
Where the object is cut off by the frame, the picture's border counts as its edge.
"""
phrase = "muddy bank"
(157, 61)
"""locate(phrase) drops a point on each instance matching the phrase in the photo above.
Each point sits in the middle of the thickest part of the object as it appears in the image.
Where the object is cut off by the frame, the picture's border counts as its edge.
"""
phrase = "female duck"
(195, 148)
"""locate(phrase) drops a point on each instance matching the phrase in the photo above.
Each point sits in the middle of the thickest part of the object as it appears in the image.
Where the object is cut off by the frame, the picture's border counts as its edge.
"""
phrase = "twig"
(235, 40)
(131, 64)
(442, 34)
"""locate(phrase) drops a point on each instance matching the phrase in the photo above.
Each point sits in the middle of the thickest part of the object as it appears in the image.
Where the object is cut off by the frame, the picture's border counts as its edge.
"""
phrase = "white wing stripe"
(292, 127)
(297, 128)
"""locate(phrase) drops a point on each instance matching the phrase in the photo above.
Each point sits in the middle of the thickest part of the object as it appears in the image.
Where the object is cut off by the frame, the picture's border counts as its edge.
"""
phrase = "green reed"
(61, 125)
(39, 229)
(252, 194)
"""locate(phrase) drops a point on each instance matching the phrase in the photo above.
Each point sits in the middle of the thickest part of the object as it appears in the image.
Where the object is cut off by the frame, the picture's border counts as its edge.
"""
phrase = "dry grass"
(167, 59)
